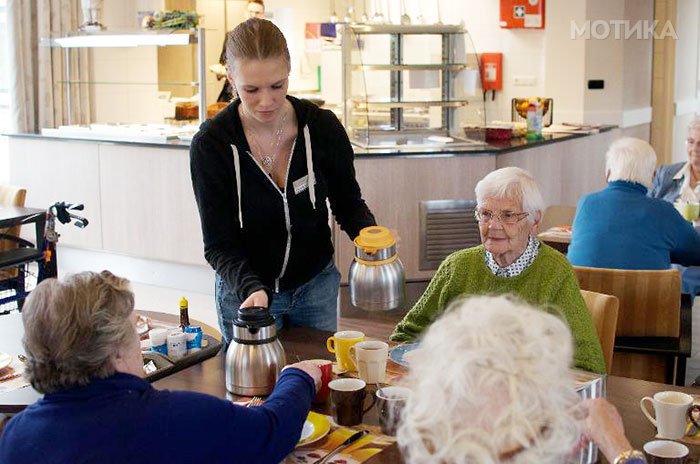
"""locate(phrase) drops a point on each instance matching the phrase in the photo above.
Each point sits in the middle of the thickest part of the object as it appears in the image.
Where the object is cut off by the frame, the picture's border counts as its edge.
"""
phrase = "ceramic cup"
(158, 339)
(177, 345)
(671, 409)
(340, 344)
(665, 452)
(370, 359)
(390, 404)
(326, 367)
(348, 401)
(689, 211)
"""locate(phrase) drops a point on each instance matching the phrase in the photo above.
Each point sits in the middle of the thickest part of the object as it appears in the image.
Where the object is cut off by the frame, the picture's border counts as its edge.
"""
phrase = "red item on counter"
(498, 134)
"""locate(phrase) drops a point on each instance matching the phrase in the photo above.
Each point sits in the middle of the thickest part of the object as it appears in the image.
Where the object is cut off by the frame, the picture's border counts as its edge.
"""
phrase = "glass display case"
(410, 85)
(137, 85)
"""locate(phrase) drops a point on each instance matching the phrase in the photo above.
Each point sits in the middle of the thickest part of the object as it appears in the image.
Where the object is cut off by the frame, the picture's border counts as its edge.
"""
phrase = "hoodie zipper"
(287, 218)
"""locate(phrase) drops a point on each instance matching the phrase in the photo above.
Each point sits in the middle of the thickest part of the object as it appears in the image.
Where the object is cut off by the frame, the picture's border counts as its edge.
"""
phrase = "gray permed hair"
(73, 327)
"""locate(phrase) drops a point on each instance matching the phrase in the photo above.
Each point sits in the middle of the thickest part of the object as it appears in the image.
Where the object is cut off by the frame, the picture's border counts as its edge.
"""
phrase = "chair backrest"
(650, 301)
(557, 215)
(603, 309)
(11, 195)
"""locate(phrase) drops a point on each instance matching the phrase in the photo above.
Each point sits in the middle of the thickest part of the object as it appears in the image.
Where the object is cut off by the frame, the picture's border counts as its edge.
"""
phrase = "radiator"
(446, 226)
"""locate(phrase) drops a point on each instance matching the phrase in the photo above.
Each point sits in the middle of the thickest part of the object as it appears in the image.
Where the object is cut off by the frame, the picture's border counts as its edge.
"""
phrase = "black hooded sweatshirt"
(257, 236)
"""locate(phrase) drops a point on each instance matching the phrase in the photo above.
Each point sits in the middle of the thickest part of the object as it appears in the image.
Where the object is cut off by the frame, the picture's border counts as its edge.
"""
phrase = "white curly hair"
(513, 183)
(491, 383)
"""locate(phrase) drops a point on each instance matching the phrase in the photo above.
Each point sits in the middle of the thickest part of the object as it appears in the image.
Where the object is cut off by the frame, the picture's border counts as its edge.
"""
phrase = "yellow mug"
(340, 344)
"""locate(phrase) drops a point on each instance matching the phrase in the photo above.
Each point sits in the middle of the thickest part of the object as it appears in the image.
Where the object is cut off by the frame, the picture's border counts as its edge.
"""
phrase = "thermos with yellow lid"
(377, 280)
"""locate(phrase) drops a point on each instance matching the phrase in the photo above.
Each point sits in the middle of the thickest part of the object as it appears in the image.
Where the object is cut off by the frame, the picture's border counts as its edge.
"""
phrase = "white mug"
(370, 359)
(671, 409)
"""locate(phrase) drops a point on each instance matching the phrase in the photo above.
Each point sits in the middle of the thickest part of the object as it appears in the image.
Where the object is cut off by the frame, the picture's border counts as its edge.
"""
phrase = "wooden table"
(209, 377)
(11, 216)
(15, 256)
(11, 332)
(557, 240)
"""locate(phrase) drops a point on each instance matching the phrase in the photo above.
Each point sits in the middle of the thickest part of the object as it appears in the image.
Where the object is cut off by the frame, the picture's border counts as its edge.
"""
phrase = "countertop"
(491, 148)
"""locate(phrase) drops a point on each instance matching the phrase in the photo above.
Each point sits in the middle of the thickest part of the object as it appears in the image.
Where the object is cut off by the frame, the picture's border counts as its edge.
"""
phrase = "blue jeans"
(313, 304)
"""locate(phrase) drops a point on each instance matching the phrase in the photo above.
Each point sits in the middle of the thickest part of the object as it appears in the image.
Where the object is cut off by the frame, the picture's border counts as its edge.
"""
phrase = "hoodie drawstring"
(237, 168)
(311, 178)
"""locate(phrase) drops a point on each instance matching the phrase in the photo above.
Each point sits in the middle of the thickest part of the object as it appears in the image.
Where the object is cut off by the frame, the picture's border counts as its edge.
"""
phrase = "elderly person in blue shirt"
(680, 181)
(85, 356)
(620, 227)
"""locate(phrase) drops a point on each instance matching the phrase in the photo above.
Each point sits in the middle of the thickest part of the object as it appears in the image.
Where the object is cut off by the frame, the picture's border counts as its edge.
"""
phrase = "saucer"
(316, 427)
(337, 370)
(397, 353)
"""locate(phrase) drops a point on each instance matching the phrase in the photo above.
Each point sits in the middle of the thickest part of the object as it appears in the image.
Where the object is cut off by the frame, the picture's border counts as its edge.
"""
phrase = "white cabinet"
(138, 199)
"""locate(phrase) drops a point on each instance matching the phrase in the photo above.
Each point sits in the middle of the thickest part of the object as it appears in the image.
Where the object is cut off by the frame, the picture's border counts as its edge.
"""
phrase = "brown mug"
(666, 452)
(348, 400)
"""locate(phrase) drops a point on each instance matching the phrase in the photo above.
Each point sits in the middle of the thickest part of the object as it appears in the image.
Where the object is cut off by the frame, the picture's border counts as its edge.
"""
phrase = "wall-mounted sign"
(522, 14)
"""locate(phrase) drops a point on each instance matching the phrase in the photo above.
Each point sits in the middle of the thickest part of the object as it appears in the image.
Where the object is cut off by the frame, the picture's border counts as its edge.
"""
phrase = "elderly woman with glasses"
(681, 180)
(509, 260)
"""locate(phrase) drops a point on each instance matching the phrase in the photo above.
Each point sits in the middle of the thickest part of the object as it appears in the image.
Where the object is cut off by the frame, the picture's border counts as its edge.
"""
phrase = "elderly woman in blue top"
(84, 354)
(620, 227)
(680, 181)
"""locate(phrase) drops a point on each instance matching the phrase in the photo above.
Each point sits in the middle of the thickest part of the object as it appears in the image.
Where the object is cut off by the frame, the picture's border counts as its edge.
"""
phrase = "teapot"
(255, 356)
(377, 278)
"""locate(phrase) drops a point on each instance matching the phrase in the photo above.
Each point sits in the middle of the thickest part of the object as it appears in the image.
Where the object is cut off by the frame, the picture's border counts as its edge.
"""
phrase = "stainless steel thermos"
(255, 356)
(377, 279)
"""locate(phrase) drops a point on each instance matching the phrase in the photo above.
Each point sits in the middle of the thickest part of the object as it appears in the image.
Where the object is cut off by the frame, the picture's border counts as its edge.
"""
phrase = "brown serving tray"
(166, 366)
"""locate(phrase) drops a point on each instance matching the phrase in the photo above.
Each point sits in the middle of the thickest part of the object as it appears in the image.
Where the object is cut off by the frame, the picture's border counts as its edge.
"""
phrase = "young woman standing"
(262, 170)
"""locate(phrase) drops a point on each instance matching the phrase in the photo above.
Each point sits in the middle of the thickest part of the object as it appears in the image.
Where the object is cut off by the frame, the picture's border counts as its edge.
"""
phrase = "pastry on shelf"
(186, 110)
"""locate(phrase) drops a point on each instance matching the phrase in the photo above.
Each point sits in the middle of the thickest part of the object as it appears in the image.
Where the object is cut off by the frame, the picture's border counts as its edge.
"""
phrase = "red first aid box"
(522, 14)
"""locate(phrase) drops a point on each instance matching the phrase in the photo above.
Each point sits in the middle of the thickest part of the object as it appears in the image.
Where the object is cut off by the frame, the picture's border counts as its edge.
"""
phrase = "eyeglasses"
(485, 216)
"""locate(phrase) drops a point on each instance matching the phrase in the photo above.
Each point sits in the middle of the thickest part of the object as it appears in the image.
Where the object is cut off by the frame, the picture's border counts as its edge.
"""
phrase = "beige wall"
(686, 74)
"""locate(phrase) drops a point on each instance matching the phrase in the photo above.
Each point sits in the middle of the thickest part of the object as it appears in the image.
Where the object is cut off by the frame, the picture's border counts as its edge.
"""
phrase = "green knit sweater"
(549, 281)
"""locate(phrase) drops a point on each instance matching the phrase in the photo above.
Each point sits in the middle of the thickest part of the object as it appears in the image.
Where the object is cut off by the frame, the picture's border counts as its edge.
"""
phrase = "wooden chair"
(603, 309)
(653, 334)
(10, 195)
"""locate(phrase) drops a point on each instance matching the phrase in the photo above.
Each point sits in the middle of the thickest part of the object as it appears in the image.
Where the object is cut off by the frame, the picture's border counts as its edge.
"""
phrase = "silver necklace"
(268, 159)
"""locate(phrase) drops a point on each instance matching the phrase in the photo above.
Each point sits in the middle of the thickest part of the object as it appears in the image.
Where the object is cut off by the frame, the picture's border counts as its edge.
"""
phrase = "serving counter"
(138, 196)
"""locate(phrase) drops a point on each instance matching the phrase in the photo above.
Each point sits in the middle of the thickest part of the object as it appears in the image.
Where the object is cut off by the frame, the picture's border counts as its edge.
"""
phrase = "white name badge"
(301, 184)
